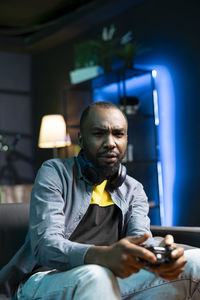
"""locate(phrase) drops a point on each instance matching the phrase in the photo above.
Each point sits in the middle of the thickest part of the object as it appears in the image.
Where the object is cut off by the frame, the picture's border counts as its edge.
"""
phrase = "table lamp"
(53, 133)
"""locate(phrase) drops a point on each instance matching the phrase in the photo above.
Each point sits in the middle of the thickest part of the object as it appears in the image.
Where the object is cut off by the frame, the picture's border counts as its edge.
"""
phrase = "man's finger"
(139, 239)
(167, 267)
(143, 255)
(177, 252)
(168, 240)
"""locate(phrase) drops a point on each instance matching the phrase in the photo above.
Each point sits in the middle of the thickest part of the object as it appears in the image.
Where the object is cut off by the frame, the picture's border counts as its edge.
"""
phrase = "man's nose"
(109, 141)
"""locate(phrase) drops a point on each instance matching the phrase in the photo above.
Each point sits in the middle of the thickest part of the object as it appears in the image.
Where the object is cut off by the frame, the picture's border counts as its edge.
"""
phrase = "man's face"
(104, 139)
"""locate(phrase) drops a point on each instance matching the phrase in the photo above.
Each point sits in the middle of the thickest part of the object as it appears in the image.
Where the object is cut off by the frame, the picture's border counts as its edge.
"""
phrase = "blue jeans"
(90, 282)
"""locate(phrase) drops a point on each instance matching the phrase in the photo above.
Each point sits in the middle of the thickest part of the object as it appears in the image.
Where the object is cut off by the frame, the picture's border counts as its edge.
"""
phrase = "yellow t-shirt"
(100, 196)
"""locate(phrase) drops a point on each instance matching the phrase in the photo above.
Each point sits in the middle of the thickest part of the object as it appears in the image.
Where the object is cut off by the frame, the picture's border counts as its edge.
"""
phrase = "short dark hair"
(101, 104)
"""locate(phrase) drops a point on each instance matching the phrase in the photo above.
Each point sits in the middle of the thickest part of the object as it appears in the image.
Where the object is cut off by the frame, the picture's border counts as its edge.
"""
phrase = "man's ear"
(80, 140)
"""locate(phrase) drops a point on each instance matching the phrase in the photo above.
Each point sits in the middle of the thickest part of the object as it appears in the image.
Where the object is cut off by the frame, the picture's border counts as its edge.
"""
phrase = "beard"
(107, 171)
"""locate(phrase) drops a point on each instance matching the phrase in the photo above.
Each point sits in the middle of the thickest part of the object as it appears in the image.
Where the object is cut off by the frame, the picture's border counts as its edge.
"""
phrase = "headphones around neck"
(93, 177)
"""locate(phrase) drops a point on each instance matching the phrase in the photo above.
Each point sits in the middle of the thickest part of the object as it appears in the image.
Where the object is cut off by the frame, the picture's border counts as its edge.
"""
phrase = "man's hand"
(170, 271)
(123, 257)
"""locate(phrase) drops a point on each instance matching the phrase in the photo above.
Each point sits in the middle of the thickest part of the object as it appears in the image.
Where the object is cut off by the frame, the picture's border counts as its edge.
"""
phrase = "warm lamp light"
(53, 132)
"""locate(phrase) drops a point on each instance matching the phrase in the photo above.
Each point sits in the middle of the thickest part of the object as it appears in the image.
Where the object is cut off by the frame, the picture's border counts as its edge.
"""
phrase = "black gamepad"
(163, 254)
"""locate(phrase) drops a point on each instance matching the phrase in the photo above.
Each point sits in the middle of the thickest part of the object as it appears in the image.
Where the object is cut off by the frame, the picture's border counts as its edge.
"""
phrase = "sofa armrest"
(182, 235)
(13, 228)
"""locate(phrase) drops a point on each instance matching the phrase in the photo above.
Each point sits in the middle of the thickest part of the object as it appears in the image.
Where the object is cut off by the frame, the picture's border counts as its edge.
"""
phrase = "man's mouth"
(109, 157)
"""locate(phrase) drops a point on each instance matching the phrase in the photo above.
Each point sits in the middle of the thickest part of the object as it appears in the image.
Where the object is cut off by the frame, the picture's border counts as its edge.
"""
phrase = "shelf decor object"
(95, 57)
(83, 74)
(131, 107)
(53, 133)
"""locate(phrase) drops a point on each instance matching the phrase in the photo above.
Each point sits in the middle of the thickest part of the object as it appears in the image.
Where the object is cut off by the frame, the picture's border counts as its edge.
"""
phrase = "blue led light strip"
(166, 165)
(160, 187)
(155, 106)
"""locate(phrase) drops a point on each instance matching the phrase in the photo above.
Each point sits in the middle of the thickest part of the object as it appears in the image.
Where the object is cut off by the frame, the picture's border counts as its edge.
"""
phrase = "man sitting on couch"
(89, 227)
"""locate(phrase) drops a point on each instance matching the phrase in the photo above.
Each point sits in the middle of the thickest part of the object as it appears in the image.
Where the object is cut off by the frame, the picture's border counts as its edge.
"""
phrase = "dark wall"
(169, 30)
(17, 163)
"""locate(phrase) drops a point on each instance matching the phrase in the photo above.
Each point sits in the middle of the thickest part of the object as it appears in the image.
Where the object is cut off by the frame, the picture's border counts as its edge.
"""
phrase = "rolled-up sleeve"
(49, 244)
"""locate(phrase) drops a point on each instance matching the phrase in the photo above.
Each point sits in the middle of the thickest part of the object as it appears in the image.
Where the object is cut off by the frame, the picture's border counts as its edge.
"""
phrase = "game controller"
(163, 255)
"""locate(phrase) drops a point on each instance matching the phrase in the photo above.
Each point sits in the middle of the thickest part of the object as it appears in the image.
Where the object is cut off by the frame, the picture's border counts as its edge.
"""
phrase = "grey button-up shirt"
(59, 200)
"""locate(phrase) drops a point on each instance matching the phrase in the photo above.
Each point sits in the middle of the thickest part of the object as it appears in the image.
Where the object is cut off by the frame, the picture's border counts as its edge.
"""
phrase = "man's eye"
(119, 134)
(97, 133)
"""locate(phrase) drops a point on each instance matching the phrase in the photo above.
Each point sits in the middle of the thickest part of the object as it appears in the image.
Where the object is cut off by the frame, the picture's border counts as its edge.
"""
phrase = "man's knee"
(192, 267)
(96, 280)
(96, 274)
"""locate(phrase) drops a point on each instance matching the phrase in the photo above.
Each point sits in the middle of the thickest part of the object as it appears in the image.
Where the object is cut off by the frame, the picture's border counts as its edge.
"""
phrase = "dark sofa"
(14, 224)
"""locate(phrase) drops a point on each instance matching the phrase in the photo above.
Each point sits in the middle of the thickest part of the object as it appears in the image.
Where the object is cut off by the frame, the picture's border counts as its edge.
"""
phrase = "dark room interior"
(37, 42)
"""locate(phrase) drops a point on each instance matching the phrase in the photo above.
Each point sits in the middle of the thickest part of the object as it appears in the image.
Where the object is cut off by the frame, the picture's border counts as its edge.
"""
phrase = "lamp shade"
(53, 132)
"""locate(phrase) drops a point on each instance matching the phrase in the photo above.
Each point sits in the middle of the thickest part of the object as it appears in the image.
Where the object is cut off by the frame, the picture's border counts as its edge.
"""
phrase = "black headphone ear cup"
(89, 172)
(91, 175)
(118, 181)
(123, 174)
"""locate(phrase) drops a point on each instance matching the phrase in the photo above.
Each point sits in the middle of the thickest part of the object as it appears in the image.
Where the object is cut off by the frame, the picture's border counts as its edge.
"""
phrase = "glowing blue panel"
(166, 99)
